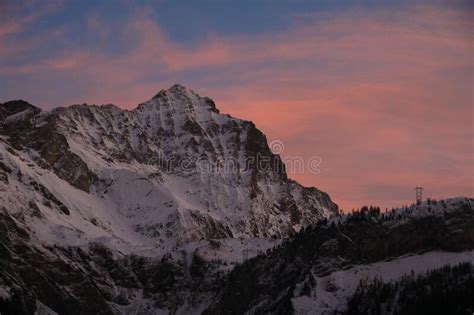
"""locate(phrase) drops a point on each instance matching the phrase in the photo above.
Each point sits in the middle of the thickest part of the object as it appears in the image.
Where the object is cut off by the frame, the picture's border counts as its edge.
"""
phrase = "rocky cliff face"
(146, 211)
(171, 178)
(171, 171)
(317, 270)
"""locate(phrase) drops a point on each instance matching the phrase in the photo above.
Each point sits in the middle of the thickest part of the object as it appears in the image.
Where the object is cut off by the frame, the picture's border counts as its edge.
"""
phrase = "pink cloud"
(384, 99)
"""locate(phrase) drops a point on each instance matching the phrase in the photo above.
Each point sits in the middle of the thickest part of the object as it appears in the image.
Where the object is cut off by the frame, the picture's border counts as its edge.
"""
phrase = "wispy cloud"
(383, 96)
(15, 16)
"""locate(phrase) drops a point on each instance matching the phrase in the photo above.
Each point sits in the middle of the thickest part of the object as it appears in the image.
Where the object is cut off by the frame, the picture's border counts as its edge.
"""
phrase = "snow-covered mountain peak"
(179, 96)
(171, 171)
(113, 211)
(178, 88)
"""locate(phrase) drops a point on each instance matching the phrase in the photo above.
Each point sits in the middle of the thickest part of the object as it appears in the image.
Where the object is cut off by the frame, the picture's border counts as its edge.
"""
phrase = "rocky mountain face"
(315, 272)
(172, 171)
(171, 178)
(174, 208)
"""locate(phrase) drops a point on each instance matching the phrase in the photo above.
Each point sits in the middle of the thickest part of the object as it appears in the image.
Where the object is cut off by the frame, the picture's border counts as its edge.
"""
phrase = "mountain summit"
(174, 208)
(169, 172)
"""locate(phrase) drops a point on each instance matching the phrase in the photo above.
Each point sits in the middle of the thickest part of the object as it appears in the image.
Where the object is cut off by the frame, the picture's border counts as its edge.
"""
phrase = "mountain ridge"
(104, 151)
(174, 208)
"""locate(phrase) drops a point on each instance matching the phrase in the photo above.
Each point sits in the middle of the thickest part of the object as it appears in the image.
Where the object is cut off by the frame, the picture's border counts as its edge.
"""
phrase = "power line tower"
(419, 194)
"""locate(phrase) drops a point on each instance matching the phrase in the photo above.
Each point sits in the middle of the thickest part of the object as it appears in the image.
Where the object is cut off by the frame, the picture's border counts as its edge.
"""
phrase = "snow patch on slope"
(332, 291)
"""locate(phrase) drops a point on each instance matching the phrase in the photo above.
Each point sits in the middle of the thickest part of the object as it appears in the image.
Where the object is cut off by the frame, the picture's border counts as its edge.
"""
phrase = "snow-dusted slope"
(109, 211)
(332, 291)
(171, 171)
(174, 208)
(317, 270)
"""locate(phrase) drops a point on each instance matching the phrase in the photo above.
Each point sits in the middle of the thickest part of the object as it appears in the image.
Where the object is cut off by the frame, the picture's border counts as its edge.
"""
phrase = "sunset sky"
(381, 91)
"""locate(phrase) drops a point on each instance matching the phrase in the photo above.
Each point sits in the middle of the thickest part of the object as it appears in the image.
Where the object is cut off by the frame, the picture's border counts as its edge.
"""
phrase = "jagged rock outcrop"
(174, 168)
(26, 129)
(102, 194)
(95, 279)
(146, 211)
